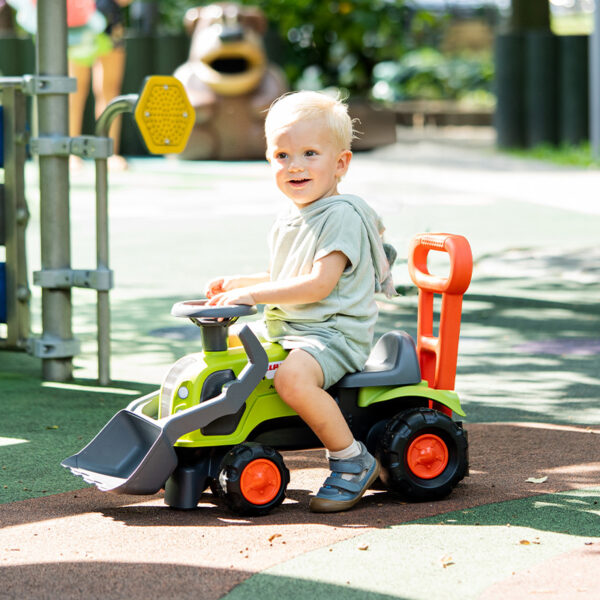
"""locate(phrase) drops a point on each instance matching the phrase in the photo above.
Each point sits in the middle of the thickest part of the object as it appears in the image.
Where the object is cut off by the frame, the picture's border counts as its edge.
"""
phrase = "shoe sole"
(324, 505)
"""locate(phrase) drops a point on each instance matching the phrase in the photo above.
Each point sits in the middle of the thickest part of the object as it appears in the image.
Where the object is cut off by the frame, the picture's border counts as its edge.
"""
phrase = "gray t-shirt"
(338, 330)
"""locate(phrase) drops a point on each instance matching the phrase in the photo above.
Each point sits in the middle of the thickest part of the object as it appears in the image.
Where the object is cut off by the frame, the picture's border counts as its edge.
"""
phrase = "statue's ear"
(253, 18)
(191, 18)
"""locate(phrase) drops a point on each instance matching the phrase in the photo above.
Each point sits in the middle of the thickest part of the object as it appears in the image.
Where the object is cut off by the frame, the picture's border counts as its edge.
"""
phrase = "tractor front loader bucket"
(130, 455)
(134, 454)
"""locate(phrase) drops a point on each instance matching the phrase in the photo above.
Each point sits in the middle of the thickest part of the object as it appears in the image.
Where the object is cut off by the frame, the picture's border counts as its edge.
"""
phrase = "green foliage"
(340, 41)
(566, 154)
(377, 48)
(335, 42)
(428, 74)
(171, 12)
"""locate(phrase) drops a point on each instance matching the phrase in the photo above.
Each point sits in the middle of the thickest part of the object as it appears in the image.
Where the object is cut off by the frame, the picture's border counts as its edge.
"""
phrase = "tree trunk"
(530, 14)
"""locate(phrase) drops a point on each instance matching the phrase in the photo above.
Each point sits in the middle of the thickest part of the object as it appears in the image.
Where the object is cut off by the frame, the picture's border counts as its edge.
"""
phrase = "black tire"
(252, 479)
(399, 445)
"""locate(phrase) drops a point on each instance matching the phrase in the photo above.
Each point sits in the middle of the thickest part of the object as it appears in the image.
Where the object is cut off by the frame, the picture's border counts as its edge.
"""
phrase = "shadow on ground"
(74, 580)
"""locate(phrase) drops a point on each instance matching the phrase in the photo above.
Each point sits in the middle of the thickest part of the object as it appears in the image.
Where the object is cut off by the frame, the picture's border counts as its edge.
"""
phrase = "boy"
(327, 260)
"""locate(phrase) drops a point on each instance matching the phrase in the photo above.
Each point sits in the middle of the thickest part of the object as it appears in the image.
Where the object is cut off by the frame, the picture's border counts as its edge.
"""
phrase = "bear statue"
(229, 82)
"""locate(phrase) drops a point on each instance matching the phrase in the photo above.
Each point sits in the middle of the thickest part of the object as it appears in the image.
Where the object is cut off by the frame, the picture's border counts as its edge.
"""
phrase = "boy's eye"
(281, 155)
(310, 153)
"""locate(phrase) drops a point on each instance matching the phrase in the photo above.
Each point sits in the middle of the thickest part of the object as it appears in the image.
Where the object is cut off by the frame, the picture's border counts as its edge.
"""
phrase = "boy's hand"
(237, 296)
(219, 285)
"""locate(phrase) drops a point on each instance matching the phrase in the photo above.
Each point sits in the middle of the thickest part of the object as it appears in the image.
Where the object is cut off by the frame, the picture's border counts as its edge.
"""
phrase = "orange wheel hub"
(260, 481)
(427, 456)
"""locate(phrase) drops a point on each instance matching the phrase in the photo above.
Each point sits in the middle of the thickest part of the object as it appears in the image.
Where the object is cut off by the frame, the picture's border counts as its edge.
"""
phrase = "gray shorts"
(330, 348)
(335, 355)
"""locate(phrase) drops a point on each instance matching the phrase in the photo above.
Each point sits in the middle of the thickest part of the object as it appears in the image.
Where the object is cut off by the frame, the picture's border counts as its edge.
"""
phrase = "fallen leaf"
(537, 479)
(275, 535)
(363, 547)
(525, 542)
(447, 561)
(51, 426)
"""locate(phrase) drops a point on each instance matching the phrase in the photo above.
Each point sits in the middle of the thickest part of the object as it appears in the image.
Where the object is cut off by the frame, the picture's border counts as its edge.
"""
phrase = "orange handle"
(461, 262)
(438, 355)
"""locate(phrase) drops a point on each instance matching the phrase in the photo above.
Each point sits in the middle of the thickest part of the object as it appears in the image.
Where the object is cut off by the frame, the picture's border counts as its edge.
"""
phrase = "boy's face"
(305, 162)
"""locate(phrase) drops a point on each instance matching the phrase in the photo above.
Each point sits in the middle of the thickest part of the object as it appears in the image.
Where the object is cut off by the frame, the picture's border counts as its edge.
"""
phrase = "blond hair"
(294, 106)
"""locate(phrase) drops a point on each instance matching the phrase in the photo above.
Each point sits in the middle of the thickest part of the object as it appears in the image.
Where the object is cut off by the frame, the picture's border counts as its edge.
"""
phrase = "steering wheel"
(200, 313)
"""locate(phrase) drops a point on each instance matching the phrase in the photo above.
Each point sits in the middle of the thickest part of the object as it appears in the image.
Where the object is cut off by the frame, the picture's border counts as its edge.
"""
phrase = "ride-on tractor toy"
(217, 420)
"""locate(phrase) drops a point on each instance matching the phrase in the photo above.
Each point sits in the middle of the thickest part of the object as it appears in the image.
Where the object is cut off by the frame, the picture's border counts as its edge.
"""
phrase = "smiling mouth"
(298, 181)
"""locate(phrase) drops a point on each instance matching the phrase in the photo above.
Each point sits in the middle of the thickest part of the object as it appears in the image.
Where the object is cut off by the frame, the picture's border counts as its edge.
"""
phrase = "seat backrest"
(393, 361)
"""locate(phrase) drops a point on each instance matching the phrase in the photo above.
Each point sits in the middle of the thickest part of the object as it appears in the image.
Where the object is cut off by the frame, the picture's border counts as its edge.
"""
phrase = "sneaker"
(349, 480)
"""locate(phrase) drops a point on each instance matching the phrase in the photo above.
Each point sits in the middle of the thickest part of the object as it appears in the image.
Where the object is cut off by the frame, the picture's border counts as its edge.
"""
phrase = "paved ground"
(525, 524)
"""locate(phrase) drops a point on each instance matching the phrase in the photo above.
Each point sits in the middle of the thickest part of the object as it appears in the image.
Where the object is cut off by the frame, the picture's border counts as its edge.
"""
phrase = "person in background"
(143, 16)
(106, 75)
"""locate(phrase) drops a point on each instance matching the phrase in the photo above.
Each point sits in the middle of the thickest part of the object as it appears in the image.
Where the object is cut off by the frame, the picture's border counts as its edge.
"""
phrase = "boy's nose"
(295, 165)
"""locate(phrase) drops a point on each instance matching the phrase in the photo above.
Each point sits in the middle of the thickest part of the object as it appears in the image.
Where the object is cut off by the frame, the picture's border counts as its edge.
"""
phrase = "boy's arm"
(304, 289)
(226, 284)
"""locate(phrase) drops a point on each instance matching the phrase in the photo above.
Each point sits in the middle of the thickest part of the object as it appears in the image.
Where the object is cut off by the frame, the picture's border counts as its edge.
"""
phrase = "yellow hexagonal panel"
(164, 115)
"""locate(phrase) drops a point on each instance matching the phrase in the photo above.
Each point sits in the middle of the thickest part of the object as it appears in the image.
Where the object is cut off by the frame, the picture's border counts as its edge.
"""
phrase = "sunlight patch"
(580, 347)
(90, 388)
(4, 441)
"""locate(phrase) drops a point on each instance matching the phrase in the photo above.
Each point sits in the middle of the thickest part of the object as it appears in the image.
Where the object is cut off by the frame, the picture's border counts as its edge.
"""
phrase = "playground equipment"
(14, 215)
(217, 420)
(165, 119)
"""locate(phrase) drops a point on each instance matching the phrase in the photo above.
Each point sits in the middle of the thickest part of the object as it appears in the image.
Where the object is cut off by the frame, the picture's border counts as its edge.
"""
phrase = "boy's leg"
(299, 382)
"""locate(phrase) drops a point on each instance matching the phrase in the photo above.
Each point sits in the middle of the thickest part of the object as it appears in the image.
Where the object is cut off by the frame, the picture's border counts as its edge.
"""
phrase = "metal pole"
(118, 105)
(53, 113)
(16, 213)
(595, 83)
(103, 302)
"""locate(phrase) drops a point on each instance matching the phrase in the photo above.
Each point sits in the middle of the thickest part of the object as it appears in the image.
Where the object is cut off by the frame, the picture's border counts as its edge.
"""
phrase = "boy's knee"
(295, 375)
(287, 381)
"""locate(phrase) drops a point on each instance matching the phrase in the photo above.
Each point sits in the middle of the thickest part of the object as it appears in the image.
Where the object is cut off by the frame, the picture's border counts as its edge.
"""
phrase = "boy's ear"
(343, 162)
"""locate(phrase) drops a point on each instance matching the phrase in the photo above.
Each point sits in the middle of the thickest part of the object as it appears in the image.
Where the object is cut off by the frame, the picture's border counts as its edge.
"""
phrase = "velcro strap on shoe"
(345, 466)
(343, 484)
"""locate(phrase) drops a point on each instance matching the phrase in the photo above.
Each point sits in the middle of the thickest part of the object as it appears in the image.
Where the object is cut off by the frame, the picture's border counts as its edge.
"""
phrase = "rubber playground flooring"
(524, 524)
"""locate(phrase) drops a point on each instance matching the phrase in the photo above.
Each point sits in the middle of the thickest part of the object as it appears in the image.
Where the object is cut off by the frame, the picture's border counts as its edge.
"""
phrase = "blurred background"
(431, 62)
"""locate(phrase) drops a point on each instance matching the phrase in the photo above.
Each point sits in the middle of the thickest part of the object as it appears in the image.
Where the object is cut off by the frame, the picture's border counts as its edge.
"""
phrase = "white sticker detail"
(272, 368)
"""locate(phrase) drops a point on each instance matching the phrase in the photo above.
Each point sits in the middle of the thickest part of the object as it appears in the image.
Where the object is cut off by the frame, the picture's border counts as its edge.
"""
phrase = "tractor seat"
(393, 361)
